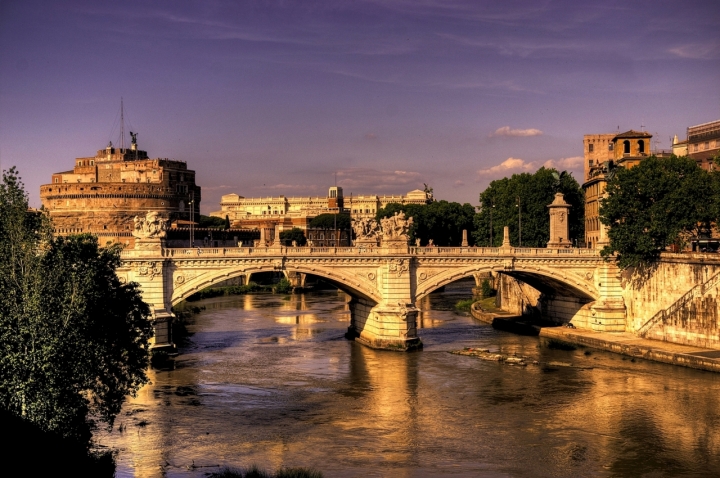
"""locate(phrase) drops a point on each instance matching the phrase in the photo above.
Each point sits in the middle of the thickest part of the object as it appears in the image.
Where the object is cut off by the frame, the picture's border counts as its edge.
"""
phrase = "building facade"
(289, 212)
(102, 194)
(703, 144)
(602, 153)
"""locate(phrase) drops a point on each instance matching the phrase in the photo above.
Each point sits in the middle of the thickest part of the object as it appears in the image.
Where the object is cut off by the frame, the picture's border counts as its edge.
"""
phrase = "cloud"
(292, 187)
(697, 51)
(459, 183)
(506, 131)
(371, 136)
(368, 180)
(564, 163)
(516, 165)
(215, 188)
(509, 165)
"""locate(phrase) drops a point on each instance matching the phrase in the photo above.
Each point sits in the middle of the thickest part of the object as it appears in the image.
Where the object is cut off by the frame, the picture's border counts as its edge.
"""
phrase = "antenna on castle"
(642, 126)
(122, 125)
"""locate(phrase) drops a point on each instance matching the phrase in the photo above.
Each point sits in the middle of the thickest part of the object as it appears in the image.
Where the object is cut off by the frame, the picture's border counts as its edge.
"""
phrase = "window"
(641, 147)
(707, 145)
(611, 146)
(626, 147)
(57, 180)
(695, 147)
(590, 147)
(590, 163)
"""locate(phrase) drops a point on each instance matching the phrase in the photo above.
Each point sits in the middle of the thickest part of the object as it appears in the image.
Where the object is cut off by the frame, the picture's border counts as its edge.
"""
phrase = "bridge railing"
(196, 252)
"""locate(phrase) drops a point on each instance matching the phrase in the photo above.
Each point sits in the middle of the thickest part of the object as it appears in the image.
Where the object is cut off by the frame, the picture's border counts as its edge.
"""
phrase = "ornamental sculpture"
(395, 228)
(151, 226)
(365, 229)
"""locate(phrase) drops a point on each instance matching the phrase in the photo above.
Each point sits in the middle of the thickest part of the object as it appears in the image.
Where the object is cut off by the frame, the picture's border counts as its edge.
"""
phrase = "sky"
(383, 96)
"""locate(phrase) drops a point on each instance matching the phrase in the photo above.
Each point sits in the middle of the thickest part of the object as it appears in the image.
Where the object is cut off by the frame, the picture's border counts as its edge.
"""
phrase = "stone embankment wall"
(685, 287)
(677, 301)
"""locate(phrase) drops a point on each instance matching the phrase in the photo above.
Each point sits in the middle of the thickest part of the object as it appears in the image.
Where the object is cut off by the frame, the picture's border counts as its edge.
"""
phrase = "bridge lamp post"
(519, 222)
(192, 218)
(492, 206)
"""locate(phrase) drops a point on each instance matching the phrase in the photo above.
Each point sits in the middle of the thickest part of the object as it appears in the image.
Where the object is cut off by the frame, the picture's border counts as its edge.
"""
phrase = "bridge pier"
(152, 273)
(383, 326)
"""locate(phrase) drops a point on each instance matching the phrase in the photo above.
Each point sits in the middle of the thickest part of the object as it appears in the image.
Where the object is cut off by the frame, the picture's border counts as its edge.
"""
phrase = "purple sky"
(270, 98)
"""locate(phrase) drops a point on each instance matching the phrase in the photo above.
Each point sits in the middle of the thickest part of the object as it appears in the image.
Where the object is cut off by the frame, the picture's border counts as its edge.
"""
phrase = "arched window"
(626, 147)
(641, 147)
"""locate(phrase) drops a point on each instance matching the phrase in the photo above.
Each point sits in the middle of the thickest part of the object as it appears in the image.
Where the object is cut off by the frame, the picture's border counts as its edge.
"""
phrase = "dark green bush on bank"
(230, 290)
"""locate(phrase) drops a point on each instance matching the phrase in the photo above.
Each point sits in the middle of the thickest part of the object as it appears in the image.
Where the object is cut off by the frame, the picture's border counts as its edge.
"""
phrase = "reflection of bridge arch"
(352, 285)
(546, 280)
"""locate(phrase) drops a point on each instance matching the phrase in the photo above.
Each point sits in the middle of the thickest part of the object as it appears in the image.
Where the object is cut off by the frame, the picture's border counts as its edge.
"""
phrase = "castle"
(102, 194)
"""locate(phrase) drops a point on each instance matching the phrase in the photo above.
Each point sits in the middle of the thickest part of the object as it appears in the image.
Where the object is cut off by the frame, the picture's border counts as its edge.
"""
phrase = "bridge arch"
(549, 281)
(352, 285)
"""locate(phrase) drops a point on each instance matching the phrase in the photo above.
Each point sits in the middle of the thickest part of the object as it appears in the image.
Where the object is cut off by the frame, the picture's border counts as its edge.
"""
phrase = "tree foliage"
(441, 221)
(73, 338)
(500, 203)
(659, 202)
(329, 221)
(212, 221)
(295, 234)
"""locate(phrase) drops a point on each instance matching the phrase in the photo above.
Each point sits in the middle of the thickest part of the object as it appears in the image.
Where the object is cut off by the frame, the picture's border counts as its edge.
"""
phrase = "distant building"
(103, 193)
(289, 212)
(603, 152)
(703, 144)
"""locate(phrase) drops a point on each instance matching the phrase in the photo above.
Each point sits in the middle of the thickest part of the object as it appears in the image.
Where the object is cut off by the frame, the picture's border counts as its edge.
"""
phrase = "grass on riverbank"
(255, 472)
(229, 290)
(487, 304)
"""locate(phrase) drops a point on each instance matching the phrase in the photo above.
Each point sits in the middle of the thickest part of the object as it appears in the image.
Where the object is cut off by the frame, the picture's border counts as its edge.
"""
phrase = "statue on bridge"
(366, 230)
(395, 228)
(150, 227)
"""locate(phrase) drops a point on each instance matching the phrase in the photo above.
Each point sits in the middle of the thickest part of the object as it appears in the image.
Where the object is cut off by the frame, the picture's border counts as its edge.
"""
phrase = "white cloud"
(509, 165)
(517, 165)
(564, 163)
(506, 131)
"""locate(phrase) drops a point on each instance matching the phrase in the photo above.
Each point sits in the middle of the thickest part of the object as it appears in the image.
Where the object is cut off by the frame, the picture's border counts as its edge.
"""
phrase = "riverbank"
(623, 343)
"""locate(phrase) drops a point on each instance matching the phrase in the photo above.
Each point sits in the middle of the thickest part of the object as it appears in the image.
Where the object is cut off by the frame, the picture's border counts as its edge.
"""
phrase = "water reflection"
(271, 380)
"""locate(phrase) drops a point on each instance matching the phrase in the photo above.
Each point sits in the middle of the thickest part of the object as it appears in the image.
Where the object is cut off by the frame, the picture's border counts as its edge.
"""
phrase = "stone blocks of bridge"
(608, 312)
(384, 326)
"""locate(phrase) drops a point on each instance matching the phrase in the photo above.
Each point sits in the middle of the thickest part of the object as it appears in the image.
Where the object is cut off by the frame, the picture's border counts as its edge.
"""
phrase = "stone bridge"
(385, 282)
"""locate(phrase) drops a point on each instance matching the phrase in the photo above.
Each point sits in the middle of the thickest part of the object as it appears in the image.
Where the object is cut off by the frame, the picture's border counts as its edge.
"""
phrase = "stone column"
(464, 239)
(559, 223)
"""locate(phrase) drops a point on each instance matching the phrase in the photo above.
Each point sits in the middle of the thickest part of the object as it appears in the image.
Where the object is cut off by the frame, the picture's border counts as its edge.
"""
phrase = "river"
(269, 380)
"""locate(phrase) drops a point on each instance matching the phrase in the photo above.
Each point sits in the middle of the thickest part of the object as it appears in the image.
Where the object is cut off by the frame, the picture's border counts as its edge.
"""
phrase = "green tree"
(73, 338)
(227, 222)
(659, 202)
(212, 221)
(441, 221)
(535, 191)
(294, 234)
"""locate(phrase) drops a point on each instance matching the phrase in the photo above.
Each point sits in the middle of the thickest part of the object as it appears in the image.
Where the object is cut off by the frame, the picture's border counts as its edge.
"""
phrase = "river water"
(269, 380)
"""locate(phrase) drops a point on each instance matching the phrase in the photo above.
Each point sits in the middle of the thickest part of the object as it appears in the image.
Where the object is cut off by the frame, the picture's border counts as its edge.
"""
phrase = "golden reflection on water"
(310, 398)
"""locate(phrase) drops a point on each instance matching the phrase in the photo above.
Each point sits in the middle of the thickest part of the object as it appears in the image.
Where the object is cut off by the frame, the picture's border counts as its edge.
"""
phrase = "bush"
(464, 305)
(486, 288)
(229, 290)
(283, 287)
